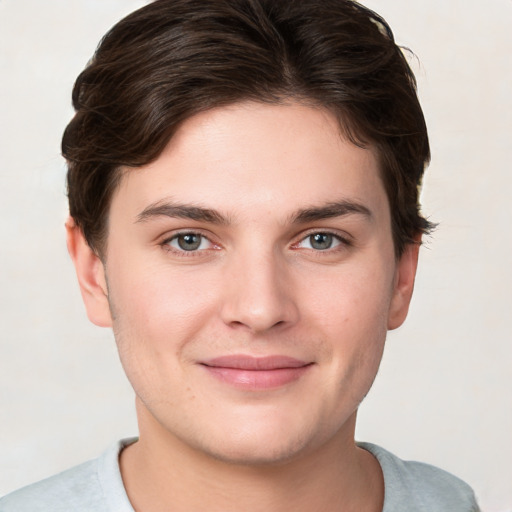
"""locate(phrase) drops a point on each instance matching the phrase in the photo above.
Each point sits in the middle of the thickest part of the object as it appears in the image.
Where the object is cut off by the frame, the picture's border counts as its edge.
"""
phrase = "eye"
(189, 242)
(320, 241)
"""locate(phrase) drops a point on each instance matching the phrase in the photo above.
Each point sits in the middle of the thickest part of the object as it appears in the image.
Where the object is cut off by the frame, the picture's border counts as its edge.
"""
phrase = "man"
(243, 188)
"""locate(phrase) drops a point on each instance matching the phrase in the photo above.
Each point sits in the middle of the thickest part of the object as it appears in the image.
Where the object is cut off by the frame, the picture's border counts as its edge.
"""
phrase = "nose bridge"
(259, 293)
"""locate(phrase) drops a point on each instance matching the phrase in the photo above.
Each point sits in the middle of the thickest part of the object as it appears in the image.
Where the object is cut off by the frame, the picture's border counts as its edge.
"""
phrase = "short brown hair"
(172, 59)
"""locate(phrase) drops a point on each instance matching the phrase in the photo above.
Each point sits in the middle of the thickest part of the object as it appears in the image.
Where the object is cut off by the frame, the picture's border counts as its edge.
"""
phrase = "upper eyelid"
(167, 237)
(166, 242)
(342, 236)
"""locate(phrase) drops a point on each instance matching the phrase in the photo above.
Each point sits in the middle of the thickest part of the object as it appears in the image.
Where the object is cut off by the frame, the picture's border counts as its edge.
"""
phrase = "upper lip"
(246, 362)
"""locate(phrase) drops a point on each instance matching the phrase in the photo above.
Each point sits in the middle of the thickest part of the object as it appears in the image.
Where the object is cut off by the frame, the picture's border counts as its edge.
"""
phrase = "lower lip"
(257, 379)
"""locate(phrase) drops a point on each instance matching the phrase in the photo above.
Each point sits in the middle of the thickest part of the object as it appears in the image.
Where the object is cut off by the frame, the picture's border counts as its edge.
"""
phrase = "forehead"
(256, 157)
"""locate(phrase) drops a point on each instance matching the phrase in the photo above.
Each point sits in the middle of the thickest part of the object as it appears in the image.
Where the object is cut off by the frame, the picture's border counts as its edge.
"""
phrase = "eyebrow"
(181, 211)
(330, 210)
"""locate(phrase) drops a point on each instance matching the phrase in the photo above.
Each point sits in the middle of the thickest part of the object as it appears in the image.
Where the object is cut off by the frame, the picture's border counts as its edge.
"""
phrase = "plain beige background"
(444, 393)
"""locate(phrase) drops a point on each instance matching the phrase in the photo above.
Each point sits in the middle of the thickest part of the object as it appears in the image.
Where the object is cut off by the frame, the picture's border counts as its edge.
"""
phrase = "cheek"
(157, 314)
(160, 299)
(353, 317)
(357, 298)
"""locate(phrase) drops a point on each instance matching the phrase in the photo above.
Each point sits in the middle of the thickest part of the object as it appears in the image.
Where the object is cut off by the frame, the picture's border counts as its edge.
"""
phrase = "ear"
(91, 276)
(403, 285)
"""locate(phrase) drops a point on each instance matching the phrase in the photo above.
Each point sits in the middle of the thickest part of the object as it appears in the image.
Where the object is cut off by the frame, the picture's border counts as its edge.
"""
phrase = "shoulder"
(68, 490)
(415, 486)
(95, 485)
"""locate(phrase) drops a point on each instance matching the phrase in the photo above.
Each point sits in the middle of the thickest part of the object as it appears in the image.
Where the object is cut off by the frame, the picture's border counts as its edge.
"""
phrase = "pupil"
(321, 241)
(189, 242)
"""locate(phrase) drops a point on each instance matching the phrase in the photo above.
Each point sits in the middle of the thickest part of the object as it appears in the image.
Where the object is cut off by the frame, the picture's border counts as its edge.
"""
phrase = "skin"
(262, 181)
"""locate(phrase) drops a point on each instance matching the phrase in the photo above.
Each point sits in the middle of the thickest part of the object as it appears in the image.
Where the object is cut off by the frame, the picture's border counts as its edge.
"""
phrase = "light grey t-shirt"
(97, 486)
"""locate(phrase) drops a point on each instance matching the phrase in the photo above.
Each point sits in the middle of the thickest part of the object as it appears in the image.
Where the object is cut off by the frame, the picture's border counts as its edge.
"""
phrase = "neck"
(161, 473)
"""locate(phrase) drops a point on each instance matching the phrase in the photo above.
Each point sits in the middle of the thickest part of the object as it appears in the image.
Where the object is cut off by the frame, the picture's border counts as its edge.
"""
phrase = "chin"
(266, 439)
(257, 451)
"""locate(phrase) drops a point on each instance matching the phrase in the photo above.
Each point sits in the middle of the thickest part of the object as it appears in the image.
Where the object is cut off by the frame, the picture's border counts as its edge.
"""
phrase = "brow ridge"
(329, 211)
(198, 213)
(181, 211)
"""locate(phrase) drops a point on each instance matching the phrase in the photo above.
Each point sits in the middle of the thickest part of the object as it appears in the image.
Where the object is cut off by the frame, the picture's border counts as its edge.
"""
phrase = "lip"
(256, 373)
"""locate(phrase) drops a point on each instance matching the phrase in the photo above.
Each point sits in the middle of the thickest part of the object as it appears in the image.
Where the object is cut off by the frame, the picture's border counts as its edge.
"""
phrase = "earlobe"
(403, 285)
(91, 276)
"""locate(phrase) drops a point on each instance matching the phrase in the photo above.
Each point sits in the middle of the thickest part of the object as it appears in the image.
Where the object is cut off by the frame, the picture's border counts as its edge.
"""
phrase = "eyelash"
(343, 243)
(183, 252)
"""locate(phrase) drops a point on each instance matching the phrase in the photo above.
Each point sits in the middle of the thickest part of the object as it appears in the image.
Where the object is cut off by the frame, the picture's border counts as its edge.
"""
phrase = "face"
(250, 279)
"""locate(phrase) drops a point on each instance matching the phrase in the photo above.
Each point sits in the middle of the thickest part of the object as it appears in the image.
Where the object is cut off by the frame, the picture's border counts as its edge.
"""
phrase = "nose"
(259, 294)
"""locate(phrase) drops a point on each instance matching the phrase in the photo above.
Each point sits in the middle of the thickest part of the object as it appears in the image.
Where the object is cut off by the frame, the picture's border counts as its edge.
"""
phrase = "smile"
(256, 373)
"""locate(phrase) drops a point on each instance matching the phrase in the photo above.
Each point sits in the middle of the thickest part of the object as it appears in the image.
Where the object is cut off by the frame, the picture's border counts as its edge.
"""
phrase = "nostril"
(260, 302)
(253, 326)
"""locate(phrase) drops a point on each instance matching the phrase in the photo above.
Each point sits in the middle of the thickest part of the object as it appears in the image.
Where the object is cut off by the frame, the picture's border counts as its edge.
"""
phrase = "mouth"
(256, 373)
